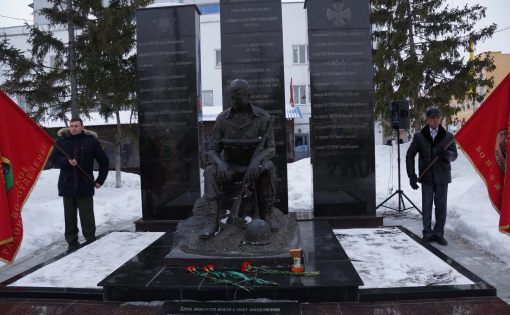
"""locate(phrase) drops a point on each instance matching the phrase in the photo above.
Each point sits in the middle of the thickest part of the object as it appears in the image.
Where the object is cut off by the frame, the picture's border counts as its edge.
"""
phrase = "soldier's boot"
(269, 216)
(211, 224)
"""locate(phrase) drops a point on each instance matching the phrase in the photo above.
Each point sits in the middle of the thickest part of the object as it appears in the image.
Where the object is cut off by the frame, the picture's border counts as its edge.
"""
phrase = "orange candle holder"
(297, 256)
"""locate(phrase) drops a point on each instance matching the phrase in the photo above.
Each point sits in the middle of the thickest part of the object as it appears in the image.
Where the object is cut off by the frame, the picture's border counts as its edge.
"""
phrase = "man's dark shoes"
(73, 247)
(440, 240)
(427, 239)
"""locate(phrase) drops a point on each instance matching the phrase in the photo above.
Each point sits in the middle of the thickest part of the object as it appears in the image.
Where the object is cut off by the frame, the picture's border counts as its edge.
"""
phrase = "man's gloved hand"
(442, 154)
(224, 174)
(413, 181)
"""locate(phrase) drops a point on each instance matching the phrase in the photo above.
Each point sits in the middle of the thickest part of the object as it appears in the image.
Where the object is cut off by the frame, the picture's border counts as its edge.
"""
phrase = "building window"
(217, 55)
(207, 98)
(300, 54)
(301, 143)
(299, 92)
(209, 8)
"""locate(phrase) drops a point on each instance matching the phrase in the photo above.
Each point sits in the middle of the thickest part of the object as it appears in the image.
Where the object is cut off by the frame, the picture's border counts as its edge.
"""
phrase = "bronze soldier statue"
(236, 134)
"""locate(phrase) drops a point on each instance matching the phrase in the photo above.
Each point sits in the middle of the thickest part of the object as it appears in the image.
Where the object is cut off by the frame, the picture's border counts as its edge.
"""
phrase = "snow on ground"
(387, 258)
(89, 265)
(43, 213)
(300, 185)
(470, 213)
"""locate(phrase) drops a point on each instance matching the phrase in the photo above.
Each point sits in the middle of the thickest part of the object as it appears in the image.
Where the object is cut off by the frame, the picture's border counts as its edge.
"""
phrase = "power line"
(503, 29)
(10, 17)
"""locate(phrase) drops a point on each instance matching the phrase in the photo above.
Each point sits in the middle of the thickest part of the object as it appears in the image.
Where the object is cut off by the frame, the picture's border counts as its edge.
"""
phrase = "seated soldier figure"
(237, 132)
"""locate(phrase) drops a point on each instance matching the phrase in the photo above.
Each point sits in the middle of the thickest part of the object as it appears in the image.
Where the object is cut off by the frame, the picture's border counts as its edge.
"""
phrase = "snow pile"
(388, 258)
(299, 177)
(92, 263)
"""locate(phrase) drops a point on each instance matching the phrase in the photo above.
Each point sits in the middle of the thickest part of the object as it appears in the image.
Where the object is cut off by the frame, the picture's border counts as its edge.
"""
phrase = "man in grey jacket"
(431, 142)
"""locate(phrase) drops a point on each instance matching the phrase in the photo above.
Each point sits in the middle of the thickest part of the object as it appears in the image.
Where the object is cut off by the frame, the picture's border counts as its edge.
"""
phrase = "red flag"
(291, 94)
(486, 140)
(24, 149)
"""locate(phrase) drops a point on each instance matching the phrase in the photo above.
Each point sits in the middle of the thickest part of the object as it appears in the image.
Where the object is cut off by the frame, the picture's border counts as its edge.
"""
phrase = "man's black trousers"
(434, 194)
(85, 205)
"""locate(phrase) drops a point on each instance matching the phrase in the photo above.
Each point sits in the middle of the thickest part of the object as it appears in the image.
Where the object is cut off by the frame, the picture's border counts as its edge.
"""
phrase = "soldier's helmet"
(257, 232)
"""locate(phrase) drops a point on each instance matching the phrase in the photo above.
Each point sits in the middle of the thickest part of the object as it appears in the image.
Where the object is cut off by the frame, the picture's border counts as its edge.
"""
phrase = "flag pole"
(56, 145)
(434, 160)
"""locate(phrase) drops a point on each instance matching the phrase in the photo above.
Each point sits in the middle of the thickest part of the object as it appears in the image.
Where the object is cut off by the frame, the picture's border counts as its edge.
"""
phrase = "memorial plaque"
(341, 127)
(250, 16)
(168, 72)
(344, 44)
(228, 308)
(252, 49)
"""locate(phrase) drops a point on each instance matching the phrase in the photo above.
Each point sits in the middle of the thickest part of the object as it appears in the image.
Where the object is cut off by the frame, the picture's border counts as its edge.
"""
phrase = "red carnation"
(208, 268)
(190, 268)
(245, 266)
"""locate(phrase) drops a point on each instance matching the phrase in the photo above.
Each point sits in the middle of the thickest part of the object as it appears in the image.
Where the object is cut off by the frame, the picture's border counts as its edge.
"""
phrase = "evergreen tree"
(47, 79)
(108, 63)
(417, 55)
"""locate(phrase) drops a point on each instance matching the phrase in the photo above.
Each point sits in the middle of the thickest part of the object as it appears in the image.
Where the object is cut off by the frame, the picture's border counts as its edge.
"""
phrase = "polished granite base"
(481, 305)
(145, 277)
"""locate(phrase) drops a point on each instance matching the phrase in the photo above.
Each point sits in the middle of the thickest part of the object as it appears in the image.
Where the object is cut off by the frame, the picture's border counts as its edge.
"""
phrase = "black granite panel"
(162, 23)
(295, 288)
(341, 127)
(342, 136)
(246, 16)
(261, 47)
(162, 174)
(252, 49)
(168, 204)
(337, 169)
(342, 75)
(171, 119)
(171, 83)
(266, 84)
(344, 184)
(169, 140)
(168, 71)
(164, 51)
(174, 102)
(340, 46)
(343, 202)
(334, 14)
(333, 102)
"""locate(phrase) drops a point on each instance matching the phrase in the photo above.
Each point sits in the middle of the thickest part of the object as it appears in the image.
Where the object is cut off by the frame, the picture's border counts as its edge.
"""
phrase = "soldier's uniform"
(235, 139)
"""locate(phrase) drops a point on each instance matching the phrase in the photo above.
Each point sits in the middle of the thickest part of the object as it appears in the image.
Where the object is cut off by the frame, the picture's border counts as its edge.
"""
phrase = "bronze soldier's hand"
(224, 174)
(253, 172)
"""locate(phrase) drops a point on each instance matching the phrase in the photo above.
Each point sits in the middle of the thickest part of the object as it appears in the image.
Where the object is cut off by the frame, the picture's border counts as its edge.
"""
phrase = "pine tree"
(108, 63)
(418, 55)
(47, 79)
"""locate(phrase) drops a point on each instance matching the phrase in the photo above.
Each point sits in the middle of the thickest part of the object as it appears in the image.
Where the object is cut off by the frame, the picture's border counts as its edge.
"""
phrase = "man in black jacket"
(77, 188)
(431, 142)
